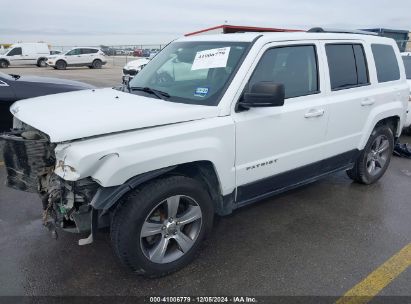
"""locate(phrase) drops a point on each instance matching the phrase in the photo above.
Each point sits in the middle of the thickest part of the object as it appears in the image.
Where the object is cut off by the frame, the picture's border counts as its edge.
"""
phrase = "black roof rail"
(340, 31)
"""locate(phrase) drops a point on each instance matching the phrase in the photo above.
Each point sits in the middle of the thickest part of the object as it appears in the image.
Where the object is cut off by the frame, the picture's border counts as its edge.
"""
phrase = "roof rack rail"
(340, 31)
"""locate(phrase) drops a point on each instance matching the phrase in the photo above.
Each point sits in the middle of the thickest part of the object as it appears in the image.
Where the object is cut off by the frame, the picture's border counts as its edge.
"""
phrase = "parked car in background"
(55, 52)
(15, 87)
(138, 53)
(132, 68)
(108, 50)
(248, 116)
(141, 53)
(82, 56)
(153, 53)
(24, 54)
(146, 53)
(406, 57)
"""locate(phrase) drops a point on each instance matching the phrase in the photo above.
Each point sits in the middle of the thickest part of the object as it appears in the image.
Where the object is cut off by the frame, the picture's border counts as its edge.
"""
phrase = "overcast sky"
(82, 22)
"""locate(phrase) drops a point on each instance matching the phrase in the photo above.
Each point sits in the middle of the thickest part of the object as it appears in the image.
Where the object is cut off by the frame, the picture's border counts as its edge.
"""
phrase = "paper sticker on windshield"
(201, 92)
(214, 58)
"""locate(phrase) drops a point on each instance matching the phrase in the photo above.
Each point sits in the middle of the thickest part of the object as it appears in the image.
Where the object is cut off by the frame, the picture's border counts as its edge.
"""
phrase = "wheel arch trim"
(106, 197)
(388, 111)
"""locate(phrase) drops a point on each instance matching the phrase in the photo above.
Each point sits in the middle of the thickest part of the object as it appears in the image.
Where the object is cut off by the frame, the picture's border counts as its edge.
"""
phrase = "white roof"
(286, 36)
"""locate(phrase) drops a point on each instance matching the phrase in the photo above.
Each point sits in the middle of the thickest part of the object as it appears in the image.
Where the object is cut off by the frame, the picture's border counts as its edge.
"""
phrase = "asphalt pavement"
(321, 239)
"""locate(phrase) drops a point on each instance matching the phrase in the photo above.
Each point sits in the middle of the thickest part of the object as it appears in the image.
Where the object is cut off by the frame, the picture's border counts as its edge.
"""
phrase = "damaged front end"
(30, 162)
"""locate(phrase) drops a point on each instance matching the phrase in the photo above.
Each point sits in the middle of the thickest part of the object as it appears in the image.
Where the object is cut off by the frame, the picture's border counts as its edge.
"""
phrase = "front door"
(15, 56)
(277, 147)
(73, 57)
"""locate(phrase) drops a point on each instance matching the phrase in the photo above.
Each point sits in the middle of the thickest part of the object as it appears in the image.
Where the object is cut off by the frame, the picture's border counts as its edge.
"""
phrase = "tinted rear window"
(89, 51)
(347, 65)
(385, 62)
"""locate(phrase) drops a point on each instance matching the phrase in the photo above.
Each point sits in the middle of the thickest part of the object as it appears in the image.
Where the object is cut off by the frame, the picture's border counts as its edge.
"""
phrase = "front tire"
(158, 229)
(375, 158)
(4, 64)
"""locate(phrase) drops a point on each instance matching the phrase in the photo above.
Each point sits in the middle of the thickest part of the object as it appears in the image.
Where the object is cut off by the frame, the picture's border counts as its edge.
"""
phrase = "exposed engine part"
(67, 203)
(27, 155)
(30, 161)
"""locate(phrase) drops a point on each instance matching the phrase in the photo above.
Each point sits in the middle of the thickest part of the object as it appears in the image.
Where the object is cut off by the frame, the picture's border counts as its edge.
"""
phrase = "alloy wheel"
(171, 229)
(378, 155)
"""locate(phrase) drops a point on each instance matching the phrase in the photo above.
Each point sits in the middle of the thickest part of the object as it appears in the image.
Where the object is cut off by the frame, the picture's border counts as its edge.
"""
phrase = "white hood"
(135, 64)
(80, 114)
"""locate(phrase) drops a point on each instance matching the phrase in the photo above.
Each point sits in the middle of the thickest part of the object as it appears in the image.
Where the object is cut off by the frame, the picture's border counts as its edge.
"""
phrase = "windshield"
(407, 65)
(190, 72)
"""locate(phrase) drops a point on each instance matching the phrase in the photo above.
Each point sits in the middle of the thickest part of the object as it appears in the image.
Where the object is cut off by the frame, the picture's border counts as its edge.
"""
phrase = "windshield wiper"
(157, 93)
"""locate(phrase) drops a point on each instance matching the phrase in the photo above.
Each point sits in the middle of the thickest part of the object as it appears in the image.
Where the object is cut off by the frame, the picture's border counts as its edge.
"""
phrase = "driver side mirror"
(264, 94)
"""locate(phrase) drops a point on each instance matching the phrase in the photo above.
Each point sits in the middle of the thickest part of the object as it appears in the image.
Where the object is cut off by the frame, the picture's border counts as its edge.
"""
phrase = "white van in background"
(25, 53)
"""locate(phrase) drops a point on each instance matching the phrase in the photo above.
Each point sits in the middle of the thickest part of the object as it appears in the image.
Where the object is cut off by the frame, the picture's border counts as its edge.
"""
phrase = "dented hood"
(75, 115)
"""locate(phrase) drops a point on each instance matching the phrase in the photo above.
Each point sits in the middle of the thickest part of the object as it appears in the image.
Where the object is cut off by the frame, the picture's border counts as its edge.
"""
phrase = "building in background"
(400, 36)
(229, 29)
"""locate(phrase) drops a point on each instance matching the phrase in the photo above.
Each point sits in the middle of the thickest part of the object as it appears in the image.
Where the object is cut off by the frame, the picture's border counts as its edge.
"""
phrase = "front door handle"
(314, 113)
(367, 102)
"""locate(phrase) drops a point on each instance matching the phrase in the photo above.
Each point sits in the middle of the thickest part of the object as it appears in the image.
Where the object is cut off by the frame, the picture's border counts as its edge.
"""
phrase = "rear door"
(350, 94)
(88, 55)
(277, 147)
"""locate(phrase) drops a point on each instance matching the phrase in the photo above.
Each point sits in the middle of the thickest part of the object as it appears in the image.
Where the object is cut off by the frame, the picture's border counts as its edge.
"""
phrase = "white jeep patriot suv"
(211, 124)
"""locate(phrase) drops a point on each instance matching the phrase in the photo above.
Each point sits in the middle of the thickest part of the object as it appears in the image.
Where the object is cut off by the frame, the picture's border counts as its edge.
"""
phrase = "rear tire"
(41, 63)
(169, 242)
(61, 65)
(4, 64)
(375, 158)
(97, 64)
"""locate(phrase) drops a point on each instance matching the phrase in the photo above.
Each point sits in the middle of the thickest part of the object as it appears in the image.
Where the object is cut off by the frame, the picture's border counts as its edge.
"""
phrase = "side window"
(361, 63)
(15, 51)
(385, 62)
(293, 66)
(347, 65)
(407, 65)
(88, 51)
(74, 52)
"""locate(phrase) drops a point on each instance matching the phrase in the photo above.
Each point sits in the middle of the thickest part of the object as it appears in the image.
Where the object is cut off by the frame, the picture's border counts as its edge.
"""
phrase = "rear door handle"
(367, 102)
(314, 113)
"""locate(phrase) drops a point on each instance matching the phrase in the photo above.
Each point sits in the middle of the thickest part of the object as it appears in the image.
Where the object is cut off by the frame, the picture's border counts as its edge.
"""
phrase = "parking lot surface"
(321, 239)
(109, 75)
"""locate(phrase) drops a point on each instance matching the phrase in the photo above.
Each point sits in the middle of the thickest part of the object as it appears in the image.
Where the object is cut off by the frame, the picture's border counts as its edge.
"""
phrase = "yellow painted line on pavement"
(377, 280)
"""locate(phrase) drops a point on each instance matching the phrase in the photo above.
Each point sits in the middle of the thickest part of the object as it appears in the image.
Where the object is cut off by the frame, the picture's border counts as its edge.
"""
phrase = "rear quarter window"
(385, 62)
